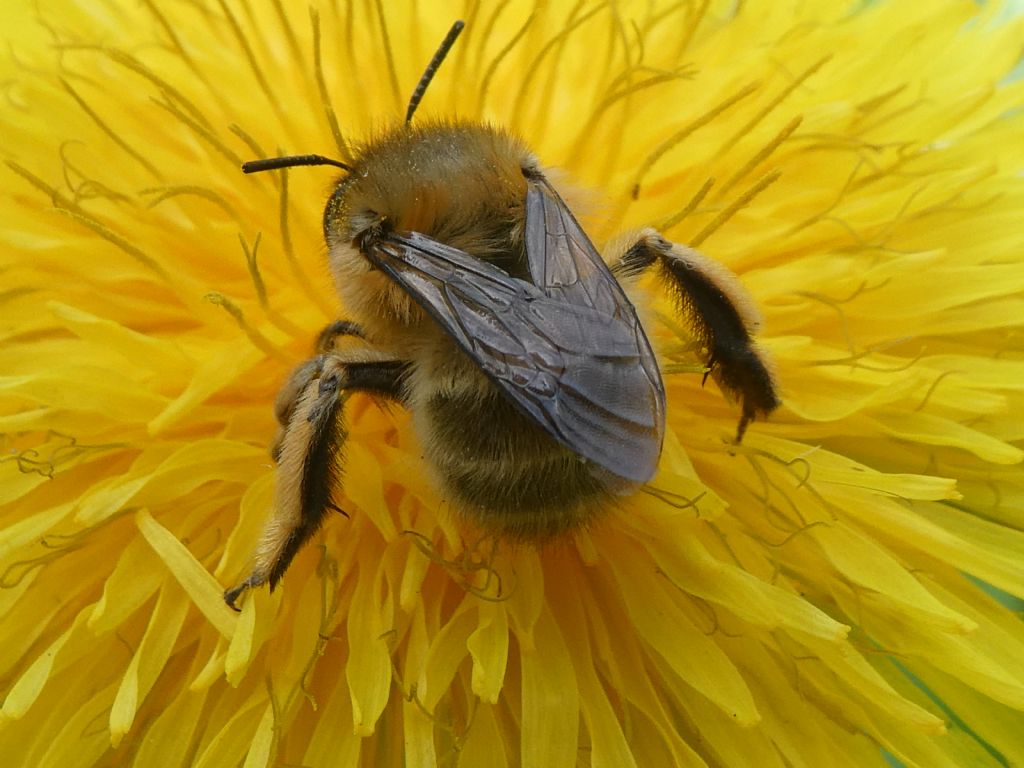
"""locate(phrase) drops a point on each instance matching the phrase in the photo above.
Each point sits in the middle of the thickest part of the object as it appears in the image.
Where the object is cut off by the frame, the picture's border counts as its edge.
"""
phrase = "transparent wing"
(562, 260)
(566, 265)
(578, 369)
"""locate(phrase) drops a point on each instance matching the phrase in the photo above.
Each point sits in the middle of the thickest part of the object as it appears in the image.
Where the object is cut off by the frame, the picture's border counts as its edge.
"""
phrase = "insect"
(483, 308)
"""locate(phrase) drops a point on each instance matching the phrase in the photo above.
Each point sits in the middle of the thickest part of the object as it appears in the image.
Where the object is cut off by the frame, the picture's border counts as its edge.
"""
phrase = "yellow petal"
(149, 659)
(129, 585)
(550, 699)
(447, 651)
(488, 645)
(207, 594)
(230, 744)
(26, 690)
(261, 750)
(666, 628)
(368, 669)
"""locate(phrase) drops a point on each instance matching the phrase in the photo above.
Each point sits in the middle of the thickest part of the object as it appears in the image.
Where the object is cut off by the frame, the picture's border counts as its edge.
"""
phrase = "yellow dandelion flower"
(837, 590)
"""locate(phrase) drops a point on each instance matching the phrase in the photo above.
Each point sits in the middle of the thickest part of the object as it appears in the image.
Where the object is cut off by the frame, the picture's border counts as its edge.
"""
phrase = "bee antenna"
(435, 62)
(273, 163)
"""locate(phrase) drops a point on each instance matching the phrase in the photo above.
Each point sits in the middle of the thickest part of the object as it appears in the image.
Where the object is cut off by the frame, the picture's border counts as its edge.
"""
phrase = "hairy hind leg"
(308, 451)
(720, 313)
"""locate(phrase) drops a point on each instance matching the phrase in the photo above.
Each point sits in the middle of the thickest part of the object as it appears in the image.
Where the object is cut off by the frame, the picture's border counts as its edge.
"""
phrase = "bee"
(483, 307)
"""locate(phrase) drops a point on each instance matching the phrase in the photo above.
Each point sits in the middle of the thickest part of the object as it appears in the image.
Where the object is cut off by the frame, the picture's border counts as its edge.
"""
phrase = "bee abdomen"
(504, 471)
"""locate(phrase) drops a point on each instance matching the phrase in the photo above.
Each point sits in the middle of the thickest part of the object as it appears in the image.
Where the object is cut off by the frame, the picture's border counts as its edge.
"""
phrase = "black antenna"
(273, 163)
(428, 73)
(289, 161)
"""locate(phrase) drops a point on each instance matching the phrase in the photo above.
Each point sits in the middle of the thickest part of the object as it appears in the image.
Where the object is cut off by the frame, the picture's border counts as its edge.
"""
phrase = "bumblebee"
(483, 308)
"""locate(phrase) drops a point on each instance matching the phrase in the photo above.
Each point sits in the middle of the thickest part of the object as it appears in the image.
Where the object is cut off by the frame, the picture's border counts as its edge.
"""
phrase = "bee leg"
(305, 372)
(721, 314)
(307, 454)
(329, 335)
(288, 397)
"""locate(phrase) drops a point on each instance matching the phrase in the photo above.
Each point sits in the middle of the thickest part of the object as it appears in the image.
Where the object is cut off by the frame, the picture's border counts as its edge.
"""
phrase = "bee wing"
(564, 263)
(576, 369)
(562, 260)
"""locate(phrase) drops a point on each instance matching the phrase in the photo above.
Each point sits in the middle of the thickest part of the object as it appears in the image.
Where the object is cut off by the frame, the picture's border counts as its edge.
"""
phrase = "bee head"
(458, 182)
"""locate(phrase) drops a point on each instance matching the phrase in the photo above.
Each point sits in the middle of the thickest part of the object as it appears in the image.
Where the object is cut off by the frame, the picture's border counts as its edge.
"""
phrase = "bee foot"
(231, 595)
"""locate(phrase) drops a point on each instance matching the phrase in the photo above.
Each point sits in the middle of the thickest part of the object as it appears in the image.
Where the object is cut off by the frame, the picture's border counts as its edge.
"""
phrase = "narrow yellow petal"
(138, 349)
(551, 699)
(95, 390)
(16, 483)
(526, 595)
(337, 746)
(129, 585)
(853, 670)
(240, 649)
(29, 685)
(230, 744)
(213, 669)
(870, 566)
(363, 485)
(77, 745)
(993, 723)
(624, 658)
(448, 649)
(488, 645)
(932, 430)
(168, 737)
(260, 752)
(149, 659)
(30, 529)
(211, 376)
(418, 744)
(368, 669)
(607, 742)
(691, 654)
(413, 573)
(484, 745)
(206, 593)
(691, 568)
